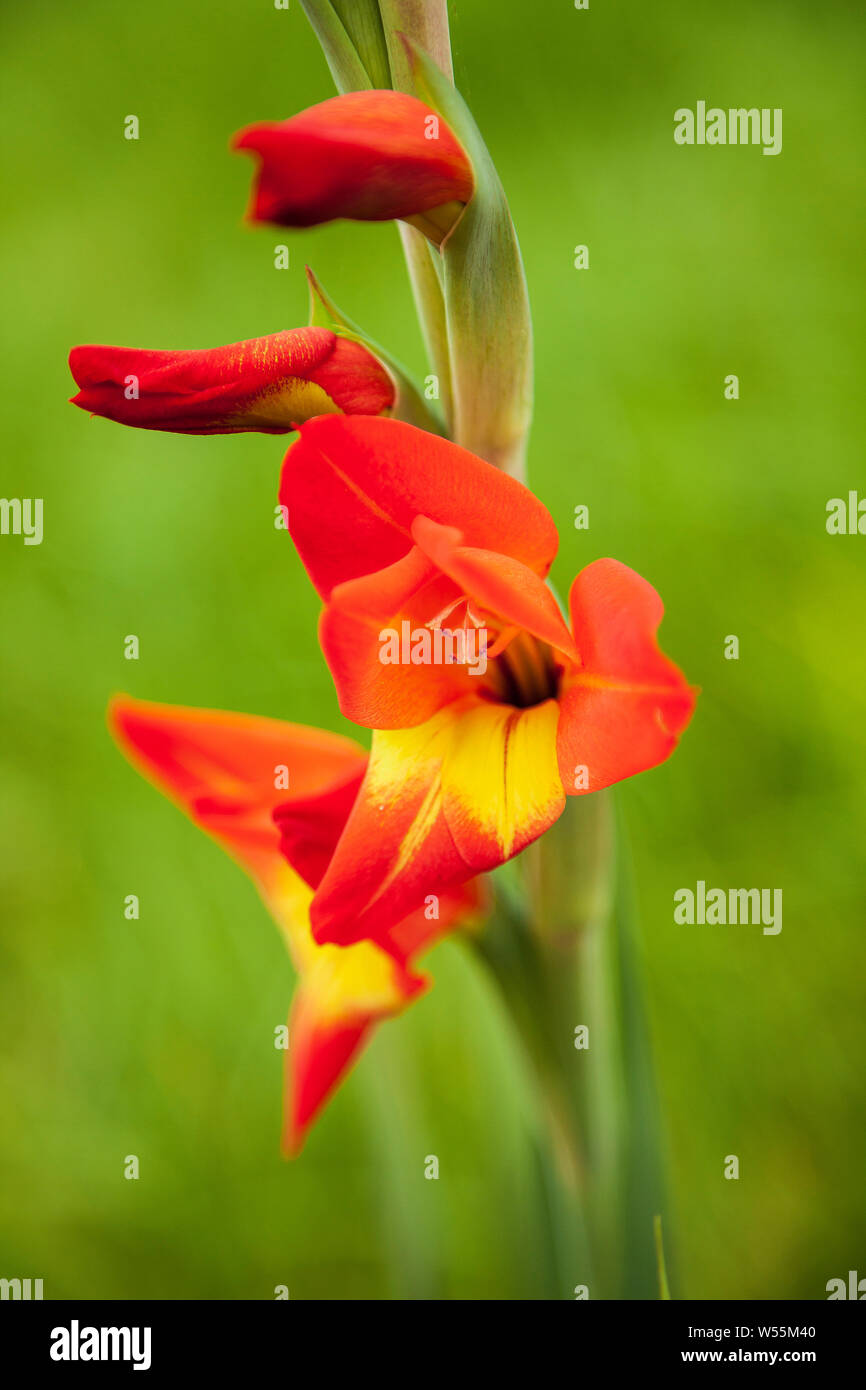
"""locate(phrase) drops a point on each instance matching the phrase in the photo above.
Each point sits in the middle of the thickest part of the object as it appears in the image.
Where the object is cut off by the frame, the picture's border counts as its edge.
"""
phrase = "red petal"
(223, 771)
(364, 155)
(267, 384)
(317, 1061)
(354, 486)
(327, 1032)
(310, 826)
(624, 708)
(324, 1047)
(353, 379)
(418, 931)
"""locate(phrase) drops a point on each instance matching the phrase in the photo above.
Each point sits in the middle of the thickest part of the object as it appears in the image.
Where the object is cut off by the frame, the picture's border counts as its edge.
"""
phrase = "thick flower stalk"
(497, 717)
(275, 796)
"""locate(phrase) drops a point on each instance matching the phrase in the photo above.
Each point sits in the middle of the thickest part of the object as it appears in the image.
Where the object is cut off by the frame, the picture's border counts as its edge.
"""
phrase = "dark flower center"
(525, 673)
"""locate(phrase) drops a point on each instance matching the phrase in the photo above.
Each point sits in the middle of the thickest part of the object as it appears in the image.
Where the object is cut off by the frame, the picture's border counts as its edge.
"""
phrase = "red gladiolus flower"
(228, 772)
(413, 541)
(269, 384)
(369, 156)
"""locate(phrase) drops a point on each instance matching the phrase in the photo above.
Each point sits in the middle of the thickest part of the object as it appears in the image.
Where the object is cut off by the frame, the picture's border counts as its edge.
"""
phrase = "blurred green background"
(155, 1037)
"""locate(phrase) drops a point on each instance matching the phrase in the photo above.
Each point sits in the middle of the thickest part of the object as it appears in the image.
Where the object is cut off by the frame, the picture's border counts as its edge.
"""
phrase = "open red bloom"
(441, 635)
(269, 384)
(229, 773)
(370, 156)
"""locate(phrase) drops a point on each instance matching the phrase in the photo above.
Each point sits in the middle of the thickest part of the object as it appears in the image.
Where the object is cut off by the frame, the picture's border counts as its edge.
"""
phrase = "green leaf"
(347, 65)
(409, 404)
(363, 23)
(664, 1290)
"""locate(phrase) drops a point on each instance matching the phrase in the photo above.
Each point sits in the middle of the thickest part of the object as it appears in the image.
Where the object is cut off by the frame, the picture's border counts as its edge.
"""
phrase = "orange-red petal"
(366, 620)
(624, 707)
(227, 772)
(439, 803)
(354, 486)
(319, 1058)
(498, 584)
(326, 1042)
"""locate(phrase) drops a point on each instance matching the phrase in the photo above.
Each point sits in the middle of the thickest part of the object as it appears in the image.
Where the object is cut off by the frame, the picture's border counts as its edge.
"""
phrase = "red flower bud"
(369, 156)
(270, 384)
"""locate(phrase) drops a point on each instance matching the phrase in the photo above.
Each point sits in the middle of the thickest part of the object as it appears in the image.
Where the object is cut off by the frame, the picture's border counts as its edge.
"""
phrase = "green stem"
(430, 307)
(643, 1184)
(486, 301)
(425, 22)
(568, 963)
(534, 992)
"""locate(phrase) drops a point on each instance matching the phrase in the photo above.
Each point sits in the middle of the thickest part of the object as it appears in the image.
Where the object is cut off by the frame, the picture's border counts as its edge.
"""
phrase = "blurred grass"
(155, 1037)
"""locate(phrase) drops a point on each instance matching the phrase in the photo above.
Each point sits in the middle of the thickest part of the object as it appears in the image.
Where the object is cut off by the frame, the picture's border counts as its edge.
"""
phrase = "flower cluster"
(364, 860)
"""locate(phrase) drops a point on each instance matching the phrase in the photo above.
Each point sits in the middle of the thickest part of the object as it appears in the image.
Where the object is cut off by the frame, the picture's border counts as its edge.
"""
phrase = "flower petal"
(220, 768)
(499, 584)
(354, 486)
(269, 384)
(346, 993)
(370, 156)
(318, 1059)
(308, 827)
(625, 706)
(439, 803)
(341, 997)
(367, 621)
(228, 772)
